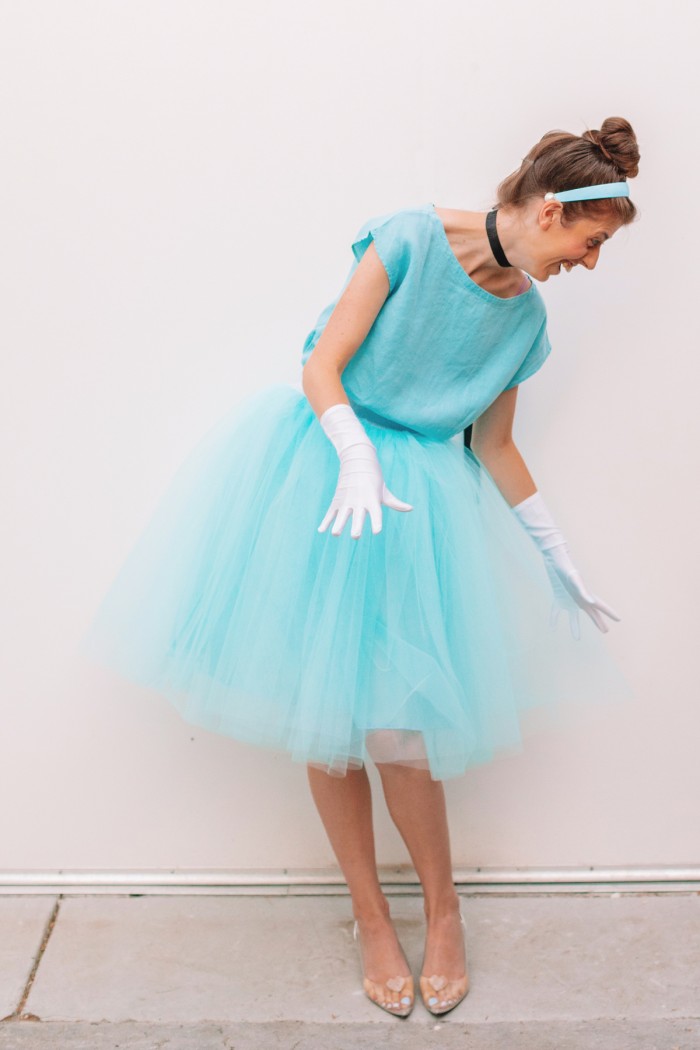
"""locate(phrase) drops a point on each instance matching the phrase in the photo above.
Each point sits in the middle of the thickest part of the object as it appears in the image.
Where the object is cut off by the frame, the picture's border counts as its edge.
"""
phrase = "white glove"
(360, 485)
(565, 579)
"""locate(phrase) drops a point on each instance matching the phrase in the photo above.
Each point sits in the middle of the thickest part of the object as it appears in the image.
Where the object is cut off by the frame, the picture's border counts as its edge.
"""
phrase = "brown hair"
(562, 161)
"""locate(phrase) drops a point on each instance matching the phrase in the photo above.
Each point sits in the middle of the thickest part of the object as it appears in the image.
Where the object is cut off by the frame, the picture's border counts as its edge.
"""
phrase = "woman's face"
(555, 247)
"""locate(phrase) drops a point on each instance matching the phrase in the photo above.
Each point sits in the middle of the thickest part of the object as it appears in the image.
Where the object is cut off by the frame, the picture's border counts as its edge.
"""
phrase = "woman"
(416, 634)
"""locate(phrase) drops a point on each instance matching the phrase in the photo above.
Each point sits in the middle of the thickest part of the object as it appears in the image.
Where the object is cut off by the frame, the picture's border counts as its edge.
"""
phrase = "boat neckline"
(471, 283)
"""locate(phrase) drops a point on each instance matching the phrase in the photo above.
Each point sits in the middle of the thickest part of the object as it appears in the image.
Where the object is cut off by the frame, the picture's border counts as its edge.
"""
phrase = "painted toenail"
(406, 1001)
(432, 1000)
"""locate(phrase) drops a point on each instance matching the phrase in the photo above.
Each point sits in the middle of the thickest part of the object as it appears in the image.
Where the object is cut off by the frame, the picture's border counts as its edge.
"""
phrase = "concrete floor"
(618, 971)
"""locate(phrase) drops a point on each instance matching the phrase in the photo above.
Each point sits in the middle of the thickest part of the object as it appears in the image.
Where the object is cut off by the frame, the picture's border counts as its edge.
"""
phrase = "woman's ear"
(550, 212)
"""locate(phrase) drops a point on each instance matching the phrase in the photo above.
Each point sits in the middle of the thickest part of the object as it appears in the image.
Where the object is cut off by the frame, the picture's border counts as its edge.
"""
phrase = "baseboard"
(395, 880)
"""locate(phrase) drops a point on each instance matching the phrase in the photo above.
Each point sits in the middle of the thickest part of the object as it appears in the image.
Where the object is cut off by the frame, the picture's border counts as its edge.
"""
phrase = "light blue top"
(442, 348)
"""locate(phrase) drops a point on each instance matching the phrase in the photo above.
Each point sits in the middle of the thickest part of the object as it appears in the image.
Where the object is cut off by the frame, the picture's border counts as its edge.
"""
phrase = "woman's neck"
(467, 236)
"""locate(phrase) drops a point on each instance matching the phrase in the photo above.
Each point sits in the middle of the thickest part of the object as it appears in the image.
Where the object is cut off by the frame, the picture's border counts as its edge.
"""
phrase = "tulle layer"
(420, 645)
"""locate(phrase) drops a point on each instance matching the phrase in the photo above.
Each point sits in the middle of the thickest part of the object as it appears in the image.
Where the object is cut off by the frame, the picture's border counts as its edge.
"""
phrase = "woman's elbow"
(491, 447)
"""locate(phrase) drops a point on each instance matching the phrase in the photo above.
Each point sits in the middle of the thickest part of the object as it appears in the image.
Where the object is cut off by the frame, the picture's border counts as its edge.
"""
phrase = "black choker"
(496, 246)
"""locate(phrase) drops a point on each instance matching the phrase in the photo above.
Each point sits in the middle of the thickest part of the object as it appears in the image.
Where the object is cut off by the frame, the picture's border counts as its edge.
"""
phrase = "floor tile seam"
(48, 928)
(428, 1022)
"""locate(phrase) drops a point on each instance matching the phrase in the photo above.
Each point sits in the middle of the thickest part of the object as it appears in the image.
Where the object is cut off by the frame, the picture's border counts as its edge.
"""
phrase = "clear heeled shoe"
(403, 999)
(430, 988)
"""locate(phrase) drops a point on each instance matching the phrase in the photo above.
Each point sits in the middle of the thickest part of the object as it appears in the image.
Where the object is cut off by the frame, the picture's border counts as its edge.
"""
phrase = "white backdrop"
(181, 184)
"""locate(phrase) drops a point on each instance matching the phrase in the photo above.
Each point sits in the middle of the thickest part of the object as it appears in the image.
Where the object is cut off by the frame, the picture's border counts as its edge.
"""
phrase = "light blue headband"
(589, 193)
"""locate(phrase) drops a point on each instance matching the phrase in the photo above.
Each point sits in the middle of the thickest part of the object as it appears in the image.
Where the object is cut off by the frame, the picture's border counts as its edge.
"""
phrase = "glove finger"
(604, 607)
(391, 501)
(343, 515)
(375, 517)
(574, 624)
(553, 615)
(330, 514)
(597, 619)
(358, 520)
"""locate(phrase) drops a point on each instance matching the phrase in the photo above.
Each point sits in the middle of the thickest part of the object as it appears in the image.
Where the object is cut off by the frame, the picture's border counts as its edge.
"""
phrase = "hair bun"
(618, 144)
(601, 147)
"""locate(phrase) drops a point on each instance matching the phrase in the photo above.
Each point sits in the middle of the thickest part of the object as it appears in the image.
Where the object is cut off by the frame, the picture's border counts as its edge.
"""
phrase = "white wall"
(181, 183)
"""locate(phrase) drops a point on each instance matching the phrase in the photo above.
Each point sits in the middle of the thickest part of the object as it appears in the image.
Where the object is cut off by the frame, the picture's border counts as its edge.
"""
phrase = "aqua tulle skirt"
(427, 644)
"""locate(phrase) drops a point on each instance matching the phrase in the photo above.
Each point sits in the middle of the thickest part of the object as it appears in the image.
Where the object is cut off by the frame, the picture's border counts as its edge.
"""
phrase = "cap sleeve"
(392, 242)
(534, 359)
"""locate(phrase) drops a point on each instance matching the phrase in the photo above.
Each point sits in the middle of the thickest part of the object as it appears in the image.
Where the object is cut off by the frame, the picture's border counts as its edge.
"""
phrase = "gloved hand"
(361, 488)
(565, 579)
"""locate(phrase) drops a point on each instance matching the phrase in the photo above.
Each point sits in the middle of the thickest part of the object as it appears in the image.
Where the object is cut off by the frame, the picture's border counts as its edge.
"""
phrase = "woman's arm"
(345, 331)
(361, 488)
(492, 443)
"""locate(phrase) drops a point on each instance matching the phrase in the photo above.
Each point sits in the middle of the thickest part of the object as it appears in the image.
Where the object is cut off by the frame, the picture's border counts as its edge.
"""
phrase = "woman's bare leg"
(416, 804)
(345, 807)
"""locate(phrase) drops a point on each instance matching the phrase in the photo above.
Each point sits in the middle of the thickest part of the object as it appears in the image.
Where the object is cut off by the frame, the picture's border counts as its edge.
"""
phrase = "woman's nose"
(591, 258)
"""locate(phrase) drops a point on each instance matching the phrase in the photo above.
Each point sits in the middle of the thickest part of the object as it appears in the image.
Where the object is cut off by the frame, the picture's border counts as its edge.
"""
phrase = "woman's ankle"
(372, 908)
(442, 905)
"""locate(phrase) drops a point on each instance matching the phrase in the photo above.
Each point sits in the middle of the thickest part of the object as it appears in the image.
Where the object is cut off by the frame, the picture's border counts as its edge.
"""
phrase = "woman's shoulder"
(401, 218)
(399, 236)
